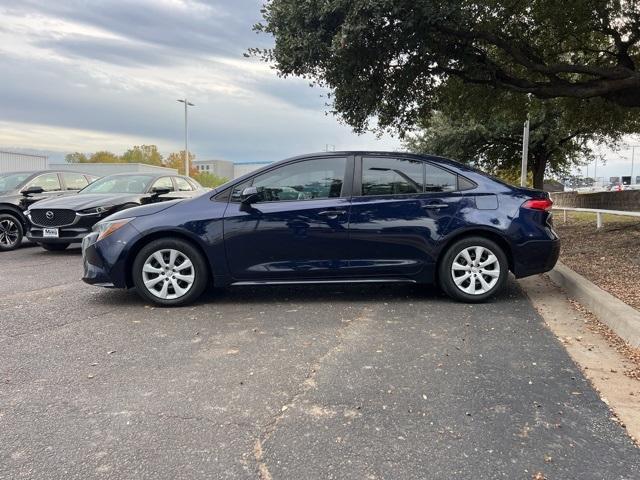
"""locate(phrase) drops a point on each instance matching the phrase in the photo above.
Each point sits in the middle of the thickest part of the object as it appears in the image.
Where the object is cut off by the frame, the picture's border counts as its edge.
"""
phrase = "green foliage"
(176, 160)
(210, 180)
(147, 154)
(104, 157)
(483, 126)
(388, 59)
(76, 157)
(143, 154)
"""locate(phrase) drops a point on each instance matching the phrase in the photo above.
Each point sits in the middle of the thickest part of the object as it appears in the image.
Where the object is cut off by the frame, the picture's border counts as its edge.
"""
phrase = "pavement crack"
(56, 325)
(308, 384)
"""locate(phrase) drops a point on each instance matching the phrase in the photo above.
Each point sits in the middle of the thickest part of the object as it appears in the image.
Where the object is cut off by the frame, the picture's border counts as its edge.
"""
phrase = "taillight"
(538, 204)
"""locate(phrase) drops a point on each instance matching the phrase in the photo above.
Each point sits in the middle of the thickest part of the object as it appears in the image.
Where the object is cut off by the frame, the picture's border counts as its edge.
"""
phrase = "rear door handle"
(434, 206)
(332, 214)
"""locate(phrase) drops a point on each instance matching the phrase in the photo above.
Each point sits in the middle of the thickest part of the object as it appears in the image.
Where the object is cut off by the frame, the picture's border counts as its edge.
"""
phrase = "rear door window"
(164, 182)
(392, 176)
(183, 185)
(439, 180)
(74, 181)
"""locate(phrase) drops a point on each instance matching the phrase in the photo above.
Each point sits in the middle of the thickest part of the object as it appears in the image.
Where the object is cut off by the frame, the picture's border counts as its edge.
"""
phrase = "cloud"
(112, 51)
(107, 74)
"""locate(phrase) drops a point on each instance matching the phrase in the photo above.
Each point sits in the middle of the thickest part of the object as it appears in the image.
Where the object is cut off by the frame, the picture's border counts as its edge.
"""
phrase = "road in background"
(306, 382)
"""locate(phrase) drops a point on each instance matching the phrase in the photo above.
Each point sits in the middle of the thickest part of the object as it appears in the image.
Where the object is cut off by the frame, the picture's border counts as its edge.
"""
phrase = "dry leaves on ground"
(609, 257)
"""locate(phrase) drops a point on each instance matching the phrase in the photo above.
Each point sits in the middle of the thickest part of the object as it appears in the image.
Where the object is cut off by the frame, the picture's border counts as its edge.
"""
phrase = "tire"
(11, 232)
(54, 247)
(468, 281)
(177, 291)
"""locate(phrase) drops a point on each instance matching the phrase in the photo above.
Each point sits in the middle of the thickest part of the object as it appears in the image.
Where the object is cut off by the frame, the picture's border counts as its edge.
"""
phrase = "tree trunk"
(538, 167)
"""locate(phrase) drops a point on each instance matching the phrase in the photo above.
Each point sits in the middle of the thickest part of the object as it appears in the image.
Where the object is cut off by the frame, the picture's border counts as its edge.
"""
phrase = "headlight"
(105, 229)
(94, 210)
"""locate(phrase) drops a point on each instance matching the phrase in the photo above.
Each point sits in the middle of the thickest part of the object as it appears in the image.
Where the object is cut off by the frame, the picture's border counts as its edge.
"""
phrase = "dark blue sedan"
(331, 218)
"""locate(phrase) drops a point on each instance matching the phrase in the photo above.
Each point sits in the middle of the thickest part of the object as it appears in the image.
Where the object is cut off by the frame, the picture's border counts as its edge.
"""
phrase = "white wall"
(21, 162)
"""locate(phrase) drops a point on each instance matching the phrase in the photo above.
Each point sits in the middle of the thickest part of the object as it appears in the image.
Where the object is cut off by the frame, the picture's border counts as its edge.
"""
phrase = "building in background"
(221, 168)
(227, 169)
(240, 169)
(104, 169)
(22, 162)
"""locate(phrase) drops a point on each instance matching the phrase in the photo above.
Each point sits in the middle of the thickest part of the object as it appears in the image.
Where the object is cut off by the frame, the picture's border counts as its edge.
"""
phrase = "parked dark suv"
(19, 190)
(331, 218)
(58, 222)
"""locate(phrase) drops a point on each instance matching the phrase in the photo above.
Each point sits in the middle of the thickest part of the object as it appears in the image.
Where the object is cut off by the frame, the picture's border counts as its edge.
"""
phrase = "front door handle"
(434, 206)
(332, 214)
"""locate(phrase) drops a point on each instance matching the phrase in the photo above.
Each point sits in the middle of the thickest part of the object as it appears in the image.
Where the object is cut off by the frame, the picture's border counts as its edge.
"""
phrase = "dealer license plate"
(50, 233)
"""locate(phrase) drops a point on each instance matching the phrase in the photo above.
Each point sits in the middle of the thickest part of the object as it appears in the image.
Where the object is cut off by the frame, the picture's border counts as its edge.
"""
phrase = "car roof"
(40, 172)
(148, 174)
(405, 154)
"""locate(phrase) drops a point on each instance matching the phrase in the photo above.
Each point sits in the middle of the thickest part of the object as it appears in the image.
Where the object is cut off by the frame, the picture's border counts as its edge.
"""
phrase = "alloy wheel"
(168, 274)
(9, 233)
(475, 270)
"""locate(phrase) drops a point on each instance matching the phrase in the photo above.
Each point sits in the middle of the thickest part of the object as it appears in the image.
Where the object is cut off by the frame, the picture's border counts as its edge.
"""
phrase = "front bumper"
(95, 272)
(535, 256)
(104, 261)
(66, 235)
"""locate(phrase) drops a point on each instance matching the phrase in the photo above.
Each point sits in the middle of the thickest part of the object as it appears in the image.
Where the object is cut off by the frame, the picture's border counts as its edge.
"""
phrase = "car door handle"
(434, 206)
(332, 214)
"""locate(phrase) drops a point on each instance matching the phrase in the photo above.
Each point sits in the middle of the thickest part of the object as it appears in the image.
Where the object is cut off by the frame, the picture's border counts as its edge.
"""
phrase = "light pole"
(525, 153)
(187, 104)
(633, 157)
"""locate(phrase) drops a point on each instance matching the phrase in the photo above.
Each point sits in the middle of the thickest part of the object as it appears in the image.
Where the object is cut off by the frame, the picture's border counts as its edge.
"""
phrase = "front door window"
(48, 181)
(308, 180)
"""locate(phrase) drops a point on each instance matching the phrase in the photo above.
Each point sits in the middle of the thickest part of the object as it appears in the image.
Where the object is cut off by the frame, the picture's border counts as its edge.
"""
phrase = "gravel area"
(609, 257)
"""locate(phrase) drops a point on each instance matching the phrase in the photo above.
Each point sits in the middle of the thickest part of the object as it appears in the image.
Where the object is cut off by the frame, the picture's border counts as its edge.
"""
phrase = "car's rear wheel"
(54, 247)
(10, 232)
(473, 269)
(170, 272)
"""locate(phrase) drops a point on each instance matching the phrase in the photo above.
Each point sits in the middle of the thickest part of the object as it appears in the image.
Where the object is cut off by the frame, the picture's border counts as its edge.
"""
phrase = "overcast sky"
(88, 76)
(105, 75)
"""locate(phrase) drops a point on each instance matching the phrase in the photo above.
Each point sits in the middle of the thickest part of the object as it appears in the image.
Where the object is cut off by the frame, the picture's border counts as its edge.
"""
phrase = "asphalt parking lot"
(358, 382)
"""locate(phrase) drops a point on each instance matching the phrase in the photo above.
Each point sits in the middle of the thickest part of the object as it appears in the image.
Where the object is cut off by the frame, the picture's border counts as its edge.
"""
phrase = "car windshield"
(12, 180)
(120, 184)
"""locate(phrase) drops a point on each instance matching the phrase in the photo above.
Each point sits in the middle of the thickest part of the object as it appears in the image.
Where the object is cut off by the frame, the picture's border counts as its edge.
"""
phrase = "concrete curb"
(620, 317)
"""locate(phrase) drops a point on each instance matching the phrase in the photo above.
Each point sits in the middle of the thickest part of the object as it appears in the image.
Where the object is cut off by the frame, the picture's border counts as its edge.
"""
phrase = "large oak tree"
(386, 59)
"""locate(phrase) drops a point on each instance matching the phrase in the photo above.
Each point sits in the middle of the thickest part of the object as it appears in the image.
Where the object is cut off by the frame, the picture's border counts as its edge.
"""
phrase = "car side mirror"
(157, 191)
(249, 195)
(32, 190)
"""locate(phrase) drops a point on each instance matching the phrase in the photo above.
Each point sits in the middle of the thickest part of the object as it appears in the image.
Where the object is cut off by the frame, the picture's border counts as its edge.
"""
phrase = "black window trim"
(357, 184)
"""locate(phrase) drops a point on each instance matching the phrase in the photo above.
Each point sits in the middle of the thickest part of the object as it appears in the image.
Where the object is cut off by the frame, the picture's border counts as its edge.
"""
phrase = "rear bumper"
(535, 256)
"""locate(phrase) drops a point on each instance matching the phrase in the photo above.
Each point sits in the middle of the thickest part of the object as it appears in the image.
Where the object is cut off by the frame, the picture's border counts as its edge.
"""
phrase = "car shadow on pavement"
(71, 251)
(335, 293)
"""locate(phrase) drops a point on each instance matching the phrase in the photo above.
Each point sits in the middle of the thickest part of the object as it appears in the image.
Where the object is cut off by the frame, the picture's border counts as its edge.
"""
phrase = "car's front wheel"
(170, 272)
(473, 269)
(10, 232)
